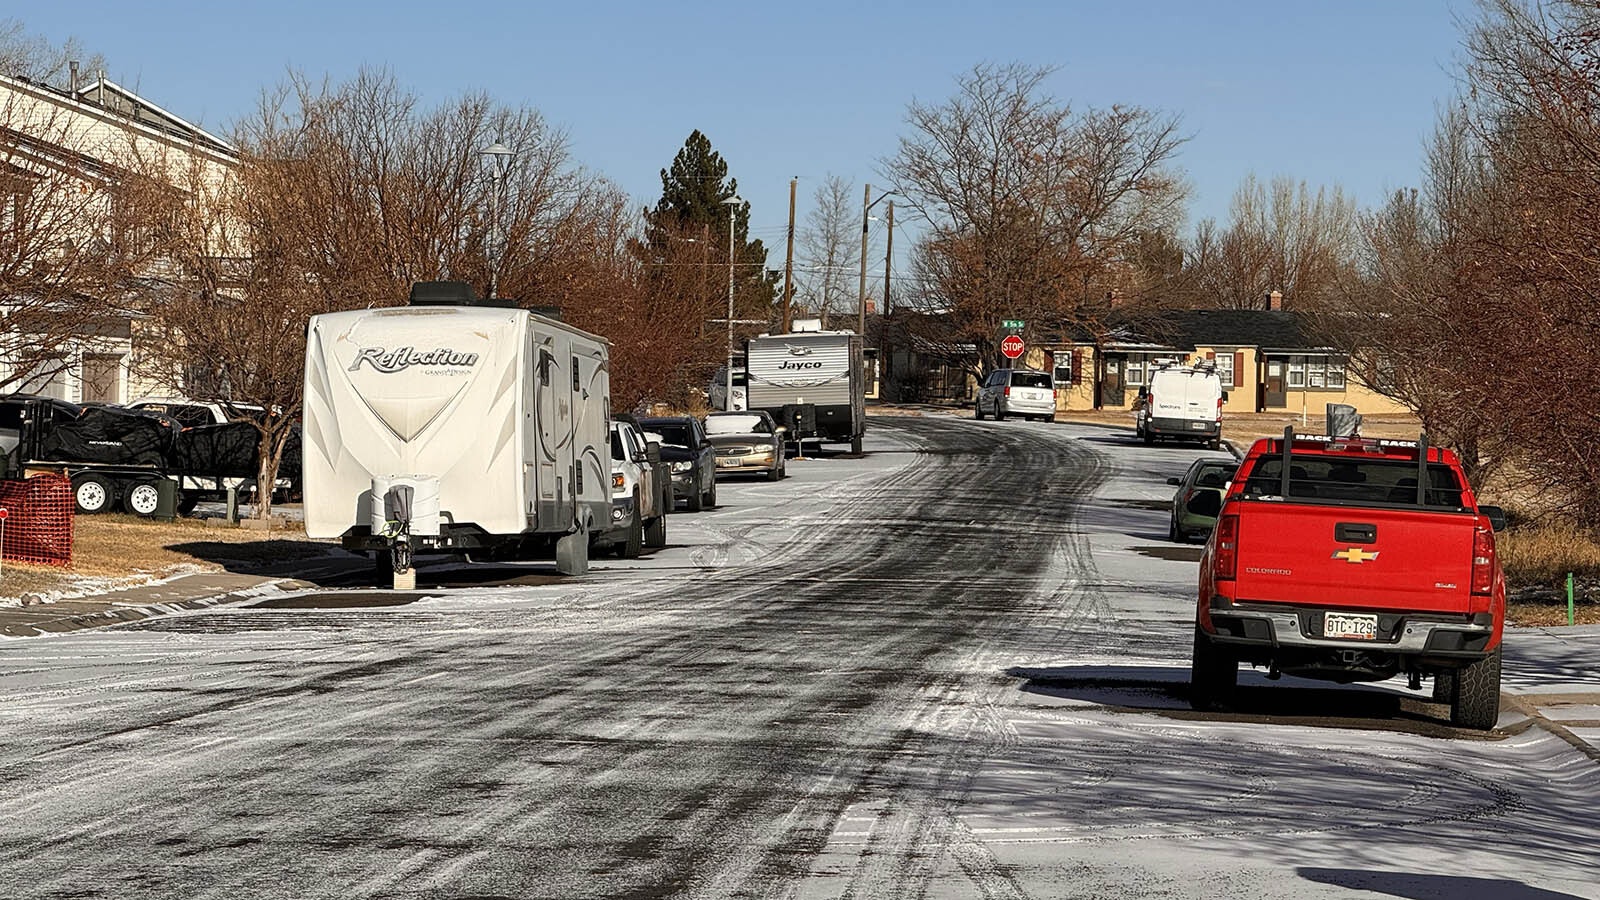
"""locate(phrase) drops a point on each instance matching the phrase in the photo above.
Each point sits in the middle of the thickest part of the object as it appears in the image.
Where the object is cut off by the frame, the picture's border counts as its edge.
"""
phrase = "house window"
(1317, 373)
(1135, 371)
(1225, 369)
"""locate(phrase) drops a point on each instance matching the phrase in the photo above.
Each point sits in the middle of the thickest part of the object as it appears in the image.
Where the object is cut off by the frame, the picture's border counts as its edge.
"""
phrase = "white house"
(59, 150)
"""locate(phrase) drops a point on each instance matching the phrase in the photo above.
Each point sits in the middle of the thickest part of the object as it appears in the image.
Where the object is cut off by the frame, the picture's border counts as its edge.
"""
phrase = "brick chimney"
(1275, 301)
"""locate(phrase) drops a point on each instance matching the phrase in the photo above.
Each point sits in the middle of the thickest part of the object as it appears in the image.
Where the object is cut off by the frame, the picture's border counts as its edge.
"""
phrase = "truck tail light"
(1225, 563)
(1483, 561)
(1008, 390)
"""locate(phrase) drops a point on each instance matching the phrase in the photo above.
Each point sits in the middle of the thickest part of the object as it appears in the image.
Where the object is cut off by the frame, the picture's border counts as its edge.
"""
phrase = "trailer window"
(574, 373)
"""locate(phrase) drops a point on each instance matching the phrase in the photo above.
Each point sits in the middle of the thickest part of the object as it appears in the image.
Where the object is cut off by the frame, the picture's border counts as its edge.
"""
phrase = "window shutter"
(1238, 369)
(1077, 367)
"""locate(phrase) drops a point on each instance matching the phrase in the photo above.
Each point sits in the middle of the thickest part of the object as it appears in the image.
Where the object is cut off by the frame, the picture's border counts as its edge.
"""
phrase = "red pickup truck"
(1350, 559)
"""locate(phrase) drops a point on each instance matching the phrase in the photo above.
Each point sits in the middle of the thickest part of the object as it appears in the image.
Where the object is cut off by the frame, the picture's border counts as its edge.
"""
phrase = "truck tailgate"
(1364, 557)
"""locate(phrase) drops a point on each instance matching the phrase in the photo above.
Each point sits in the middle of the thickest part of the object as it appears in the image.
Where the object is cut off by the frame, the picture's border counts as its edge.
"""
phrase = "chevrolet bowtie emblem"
(1355, 555)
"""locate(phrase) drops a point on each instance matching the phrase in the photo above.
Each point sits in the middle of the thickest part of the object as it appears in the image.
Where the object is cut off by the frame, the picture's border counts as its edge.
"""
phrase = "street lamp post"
(498, 156)
(732, 203)
(867, 203)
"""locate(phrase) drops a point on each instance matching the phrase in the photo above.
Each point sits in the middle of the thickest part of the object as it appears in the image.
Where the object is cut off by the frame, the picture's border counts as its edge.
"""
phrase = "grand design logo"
(386, 360)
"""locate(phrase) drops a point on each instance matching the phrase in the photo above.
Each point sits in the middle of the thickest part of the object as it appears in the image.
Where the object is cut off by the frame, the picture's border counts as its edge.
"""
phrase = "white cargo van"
(1181, 403)
(456, 425)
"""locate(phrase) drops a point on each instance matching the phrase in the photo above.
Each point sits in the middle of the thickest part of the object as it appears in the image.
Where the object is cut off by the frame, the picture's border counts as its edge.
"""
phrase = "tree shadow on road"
(1288, 701)
(1411, 885)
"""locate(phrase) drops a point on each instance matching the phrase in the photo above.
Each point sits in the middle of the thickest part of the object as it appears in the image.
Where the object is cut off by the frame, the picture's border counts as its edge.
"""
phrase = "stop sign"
(1012, 346)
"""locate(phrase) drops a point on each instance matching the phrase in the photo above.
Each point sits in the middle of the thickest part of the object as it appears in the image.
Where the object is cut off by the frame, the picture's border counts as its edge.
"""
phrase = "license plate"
(728, 463)
(1349, 626)
(1198, 426)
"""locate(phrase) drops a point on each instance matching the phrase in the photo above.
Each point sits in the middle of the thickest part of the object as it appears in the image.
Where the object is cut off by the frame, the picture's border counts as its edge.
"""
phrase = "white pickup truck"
(641, 492)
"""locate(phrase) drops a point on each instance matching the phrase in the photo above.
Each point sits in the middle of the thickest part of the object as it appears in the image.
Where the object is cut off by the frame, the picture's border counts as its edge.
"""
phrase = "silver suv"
(1017, 392)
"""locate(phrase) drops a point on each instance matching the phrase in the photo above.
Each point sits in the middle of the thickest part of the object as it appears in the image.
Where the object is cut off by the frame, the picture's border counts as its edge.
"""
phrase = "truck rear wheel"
(633, 544)
(855, 445)
(1475, 702)
(655, 533)
(711, 495)
(1444, 685)
(695, 500)
(572, 553)
(1213, 674)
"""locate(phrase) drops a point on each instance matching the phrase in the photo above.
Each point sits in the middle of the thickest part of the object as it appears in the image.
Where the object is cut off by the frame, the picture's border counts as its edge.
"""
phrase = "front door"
(1274, 396)
(555, 458)
(1115, 381)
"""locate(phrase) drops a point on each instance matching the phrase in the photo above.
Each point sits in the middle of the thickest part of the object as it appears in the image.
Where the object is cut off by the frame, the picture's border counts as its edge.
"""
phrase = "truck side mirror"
(652, 452)
(1224, 396)
(1174, 480)
(1495, 515)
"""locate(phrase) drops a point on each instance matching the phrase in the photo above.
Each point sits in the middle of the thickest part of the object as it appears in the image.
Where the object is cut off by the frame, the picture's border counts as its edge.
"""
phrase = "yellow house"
(1264, 356)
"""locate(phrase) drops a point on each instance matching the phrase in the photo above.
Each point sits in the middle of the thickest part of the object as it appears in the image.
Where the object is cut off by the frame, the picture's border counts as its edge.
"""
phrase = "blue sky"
(1330, 92)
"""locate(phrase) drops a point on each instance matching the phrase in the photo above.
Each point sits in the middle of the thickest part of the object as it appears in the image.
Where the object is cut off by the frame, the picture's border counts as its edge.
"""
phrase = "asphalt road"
(953, 668)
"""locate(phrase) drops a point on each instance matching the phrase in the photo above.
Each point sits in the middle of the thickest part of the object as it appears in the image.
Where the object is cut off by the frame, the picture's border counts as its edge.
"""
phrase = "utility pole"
(727, 398)
(861, 297)
(888, 263)
(788, 261)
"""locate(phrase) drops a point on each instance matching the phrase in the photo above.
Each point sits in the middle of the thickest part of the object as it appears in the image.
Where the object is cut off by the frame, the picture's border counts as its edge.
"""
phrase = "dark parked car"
(748, 443)
(685, 448)
(1199, 498)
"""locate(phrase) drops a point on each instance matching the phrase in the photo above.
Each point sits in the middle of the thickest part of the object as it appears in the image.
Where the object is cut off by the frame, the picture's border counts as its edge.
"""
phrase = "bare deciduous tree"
(35, 58)
(1279, 236)
(1032, 211)
(830, 250)
(344, 196)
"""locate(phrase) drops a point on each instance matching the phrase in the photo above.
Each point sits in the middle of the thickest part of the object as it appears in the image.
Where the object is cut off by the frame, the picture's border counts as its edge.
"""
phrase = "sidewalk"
(141, 602)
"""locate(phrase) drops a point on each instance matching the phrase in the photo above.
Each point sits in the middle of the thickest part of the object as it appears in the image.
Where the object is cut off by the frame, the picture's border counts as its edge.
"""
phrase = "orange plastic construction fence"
(38, 520)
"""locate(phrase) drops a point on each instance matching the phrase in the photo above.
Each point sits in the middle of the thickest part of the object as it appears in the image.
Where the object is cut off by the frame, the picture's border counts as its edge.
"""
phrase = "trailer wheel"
(92, 492)
(1213, 674)
(141, 498)
(1475, 700)
(572, 553)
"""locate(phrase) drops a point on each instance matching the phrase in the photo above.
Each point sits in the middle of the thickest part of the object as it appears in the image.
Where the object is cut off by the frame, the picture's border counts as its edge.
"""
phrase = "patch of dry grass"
(121, 547)
(1544, 554)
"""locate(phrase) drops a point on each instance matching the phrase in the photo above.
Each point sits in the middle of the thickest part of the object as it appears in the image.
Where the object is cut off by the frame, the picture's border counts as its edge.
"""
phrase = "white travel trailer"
(811, 382)
(456, 425)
